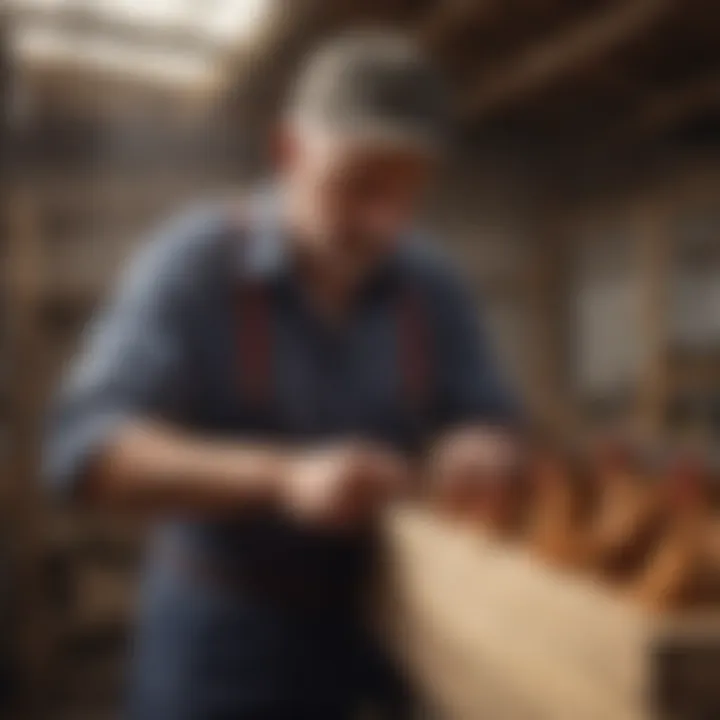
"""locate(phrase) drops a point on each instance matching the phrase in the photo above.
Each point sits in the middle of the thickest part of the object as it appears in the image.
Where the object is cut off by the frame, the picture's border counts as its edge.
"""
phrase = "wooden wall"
(648, 288)
(605, 302)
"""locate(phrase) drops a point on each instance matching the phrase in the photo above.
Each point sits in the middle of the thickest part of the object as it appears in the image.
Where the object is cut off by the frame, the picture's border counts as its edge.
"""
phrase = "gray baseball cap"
(376, 87)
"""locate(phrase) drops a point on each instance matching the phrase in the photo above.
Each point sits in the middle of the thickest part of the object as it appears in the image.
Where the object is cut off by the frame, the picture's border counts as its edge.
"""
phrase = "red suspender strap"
(253, 325)
(415, 348)
(254, 345)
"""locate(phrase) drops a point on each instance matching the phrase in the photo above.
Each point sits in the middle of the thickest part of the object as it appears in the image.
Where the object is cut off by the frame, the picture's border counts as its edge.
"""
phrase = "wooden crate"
(490, 632)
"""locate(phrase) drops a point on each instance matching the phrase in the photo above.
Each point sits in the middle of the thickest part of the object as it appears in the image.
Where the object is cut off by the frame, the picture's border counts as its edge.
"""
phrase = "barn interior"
(581, 196)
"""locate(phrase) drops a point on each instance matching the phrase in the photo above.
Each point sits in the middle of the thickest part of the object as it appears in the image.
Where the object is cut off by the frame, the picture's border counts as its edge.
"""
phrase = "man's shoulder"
(199, 240)
(187, 253)
(194, 234)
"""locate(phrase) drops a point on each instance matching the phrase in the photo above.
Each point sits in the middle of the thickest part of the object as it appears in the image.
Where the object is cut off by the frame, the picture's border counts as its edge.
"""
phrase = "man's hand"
(340, 487)
(475, 473)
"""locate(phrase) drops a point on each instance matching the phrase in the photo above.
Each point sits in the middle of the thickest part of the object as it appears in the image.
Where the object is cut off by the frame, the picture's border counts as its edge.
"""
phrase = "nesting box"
(488, 631)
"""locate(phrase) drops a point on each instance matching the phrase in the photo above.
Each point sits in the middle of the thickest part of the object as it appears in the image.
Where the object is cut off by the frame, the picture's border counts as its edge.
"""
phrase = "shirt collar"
(267, 255)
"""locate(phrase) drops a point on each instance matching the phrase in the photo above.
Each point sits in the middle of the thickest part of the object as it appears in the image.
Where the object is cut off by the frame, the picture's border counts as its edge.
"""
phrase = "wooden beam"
(665, 109)
(437, 25)
(556, 57)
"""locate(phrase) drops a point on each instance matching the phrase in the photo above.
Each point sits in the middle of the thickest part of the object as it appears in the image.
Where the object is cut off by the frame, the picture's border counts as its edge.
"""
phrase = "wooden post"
(655, 247)
(25, 517)
(549, 301)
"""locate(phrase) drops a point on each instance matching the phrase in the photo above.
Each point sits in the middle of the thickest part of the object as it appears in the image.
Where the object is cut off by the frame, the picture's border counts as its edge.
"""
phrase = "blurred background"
(582, 196)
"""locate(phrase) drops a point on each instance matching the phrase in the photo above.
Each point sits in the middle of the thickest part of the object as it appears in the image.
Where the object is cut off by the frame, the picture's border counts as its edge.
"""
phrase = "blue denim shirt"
(165, 346)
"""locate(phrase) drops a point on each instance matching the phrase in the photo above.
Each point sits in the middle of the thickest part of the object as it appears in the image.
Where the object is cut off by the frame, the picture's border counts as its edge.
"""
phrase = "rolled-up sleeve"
(471, 387)
(132, 361)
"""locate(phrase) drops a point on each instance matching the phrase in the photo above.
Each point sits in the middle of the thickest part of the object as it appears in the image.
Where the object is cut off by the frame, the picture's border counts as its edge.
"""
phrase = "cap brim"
(378, 135)
(390, 137)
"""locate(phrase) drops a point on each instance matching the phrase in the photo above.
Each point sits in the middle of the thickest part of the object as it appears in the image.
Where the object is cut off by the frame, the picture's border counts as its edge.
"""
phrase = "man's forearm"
(161, 469)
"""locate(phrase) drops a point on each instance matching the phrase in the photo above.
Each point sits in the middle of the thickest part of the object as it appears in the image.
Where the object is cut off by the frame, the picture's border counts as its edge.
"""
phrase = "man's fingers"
(470, 460)
(481, 454)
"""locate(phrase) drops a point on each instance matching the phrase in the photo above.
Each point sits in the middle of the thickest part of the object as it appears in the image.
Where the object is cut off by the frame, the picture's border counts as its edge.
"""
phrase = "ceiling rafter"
(555, 57)
(665, 109)
(437, 26)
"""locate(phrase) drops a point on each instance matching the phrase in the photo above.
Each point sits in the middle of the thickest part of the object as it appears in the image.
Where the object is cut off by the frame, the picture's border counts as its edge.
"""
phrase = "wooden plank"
(563, 645)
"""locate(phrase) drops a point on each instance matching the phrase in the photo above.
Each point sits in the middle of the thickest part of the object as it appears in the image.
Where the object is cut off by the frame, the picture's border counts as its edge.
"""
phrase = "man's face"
(352, 201)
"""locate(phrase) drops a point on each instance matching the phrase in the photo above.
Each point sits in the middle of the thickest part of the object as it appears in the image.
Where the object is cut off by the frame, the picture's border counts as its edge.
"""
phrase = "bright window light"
(236, 20)
(38, 4)
(171, 13)
(224, 23)
(45, 46)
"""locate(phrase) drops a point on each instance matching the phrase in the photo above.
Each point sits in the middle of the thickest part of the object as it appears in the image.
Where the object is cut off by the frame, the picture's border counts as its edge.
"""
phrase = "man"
(262, 381)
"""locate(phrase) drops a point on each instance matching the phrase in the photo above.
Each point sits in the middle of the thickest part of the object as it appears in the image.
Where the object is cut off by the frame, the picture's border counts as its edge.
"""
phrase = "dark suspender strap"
(415, 346)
